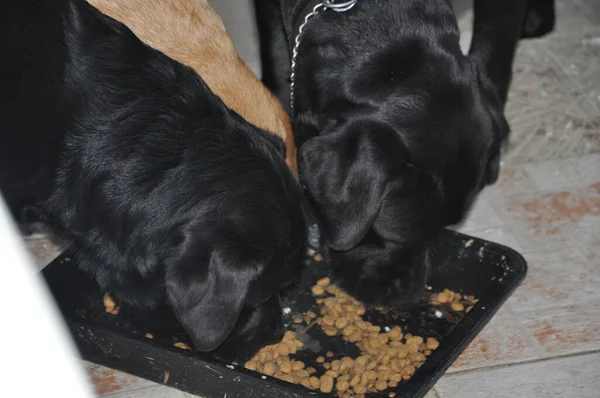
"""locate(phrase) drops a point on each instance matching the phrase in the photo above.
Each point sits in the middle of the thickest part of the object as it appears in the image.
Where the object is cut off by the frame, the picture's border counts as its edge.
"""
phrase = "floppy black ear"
(343, 173)
(207, 280)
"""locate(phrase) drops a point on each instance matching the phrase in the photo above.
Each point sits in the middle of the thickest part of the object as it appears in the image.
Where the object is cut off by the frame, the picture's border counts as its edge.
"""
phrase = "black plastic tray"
(472, 266)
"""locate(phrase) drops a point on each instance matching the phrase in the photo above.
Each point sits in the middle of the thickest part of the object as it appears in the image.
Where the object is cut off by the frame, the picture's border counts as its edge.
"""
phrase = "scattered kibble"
(387, 357)
(456, 301)
(182, 345)
(149, 336)
(318, 290)
(109, 305)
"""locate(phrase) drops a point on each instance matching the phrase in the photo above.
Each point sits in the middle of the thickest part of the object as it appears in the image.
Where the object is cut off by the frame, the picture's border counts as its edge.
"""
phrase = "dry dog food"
(386, 357)
(109, 305)
(455, 301)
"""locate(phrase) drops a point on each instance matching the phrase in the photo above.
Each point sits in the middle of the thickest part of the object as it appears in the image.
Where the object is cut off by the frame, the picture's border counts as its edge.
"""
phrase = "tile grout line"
(117, 393)
(525, 362)
(530, 338)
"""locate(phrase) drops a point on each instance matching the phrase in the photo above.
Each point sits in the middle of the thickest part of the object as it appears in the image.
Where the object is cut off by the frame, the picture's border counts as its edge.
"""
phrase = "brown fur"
(191, 32)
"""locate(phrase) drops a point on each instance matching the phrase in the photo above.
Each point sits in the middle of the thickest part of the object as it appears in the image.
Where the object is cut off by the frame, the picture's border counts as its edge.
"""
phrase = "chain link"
(325, 5)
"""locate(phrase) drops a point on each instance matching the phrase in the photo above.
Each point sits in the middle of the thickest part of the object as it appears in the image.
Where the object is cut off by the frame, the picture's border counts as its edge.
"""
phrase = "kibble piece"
(432, 343)
(311, 370)
(298, 365)
(360, 389)
(335, 365)
(306, 383)
(149, 336)
(330, 332)
(457, 307)
(395, 334)
(318, 257)
(317, 290)
(341, 323)
(443, 297)
(354, 337)
(342, 385)
(323, 282)
(415, 340)
(374, 342)
(286, 367)
(418, 357)
(301, 374)
(326, 383)
(381, 385)
(332, 373)
(182, 346)
(328, 320)
(364, 379)
(409, 370)
(329, 354)
(371, 375)
(320, 359)
(349, 362)
(396, 365)
(315, 382)
(269, 369)
(297, 319)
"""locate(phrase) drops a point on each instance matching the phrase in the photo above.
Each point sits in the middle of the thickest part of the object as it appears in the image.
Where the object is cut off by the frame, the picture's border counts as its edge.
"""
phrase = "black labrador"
(166, 195)
(397, 130)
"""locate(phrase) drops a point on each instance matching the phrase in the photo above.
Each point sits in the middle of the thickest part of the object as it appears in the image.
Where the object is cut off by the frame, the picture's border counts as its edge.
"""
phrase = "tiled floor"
(545, 340)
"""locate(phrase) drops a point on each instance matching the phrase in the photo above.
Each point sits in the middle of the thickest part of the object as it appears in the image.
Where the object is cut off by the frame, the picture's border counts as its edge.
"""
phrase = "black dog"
(397, 130)
(165, 193)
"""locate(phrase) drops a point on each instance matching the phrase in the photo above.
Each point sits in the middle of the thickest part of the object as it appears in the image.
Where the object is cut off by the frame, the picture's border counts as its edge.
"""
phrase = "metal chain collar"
(325, 5)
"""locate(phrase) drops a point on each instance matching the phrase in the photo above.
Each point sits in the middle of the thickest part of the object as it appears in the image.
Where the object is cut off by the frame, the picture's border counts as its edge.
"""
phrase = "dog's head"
(169, 194)
(228, 265)
(403, 151)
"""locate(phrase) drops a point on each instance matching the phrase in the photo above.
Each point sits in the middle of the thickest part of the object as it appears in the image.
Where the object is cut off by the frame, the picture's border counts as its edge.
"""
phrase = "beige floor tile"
(512, 180)
(565, 330)
(557, 279)
(111, 381)
(550, 220)
(565, 173)
(151, 392)
(502, 341)
(482, 215)
(574, 377)
(548, 120)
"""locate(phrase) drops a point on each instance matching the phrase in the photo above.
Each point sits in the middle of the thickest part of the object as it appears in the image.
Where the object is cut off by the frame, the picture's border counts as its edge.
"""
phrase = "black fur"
(397, 130)
(165, 194)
